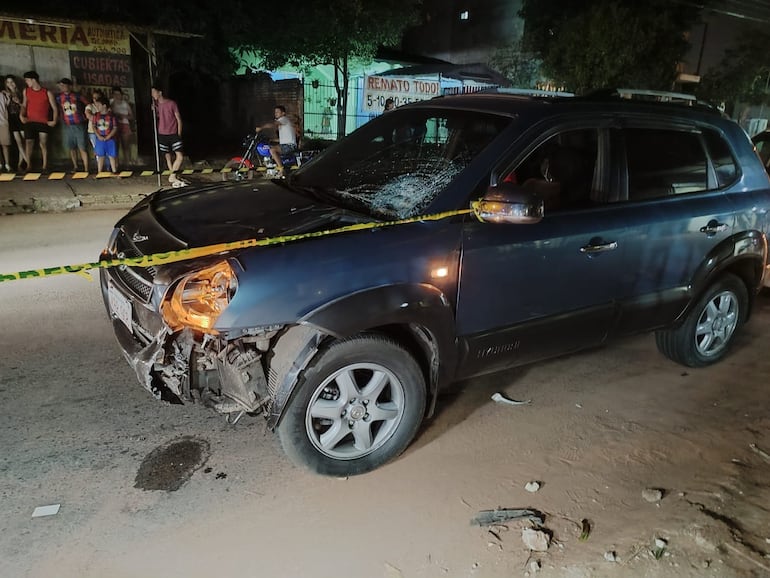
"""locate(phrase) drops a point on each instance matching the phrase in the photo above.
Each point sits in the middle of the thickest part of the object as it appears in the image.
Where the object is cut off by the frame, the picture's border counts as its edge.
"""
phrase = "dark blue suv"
(446, 239)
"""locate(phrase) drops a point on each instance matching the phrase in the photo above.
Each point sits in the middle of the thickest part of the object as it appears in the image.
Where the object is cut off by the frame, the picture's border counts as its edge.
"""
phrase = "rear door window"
(664, 162)
(721, 157)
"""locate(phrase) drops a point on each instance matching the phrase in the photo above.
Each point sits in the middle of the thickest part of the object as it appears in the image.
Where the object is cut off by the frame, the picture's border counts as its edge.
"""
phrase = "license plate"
(120, 306)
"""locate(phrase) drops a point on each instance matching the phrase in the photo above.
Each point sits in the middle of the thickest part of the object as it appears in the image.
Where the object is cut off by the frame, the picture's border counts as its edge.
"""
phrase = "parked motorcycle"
(256, 157)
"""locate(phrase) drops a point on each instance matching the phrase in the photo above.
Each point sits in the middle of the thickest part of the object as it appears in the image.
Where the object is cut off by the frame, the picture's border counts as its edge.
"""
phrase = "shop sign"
(80, 37)
(101, 69)
(403, 90)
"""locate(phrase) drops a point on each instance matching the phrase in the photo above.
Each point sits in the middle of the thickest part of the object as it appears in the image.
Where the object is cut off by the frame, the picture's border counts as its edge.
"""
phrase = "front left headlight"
(199, 299)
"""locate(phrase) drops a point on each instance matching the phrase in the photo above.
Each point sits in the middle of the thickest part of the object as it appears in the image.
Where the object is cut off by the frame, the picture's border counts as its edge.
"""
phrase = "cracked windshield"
(396, 165)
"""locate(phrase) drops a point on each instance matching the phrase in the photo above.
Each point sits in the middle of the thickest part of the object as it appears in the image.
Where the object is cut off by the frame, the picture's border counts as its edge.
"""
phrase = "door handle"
(595, 246)
(713, 228)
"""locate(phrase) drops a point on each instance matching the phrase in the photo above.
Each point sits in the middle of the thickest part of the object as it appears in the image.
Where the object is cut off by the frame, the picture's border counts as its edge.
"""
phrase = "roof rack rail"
(528, 92)
(657, 95)
(679, 98)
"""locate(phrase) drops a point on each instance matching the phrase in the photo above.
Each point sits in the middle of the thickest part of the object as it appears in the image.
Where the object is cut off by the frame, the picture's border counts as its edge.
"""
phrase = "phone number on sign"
(374, 102)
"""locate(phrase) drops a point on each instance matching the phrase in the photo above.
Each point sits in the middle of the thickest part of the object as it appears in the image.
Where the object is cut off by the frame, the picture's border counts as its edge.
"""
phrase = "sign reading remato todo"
(377, 89)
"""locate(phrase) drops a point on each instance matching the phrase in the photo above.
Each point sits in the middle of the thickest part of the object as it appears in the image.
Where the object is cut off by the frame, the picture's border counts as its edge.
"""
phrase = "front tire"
(237, 171)
(710, 327)
(356, 407)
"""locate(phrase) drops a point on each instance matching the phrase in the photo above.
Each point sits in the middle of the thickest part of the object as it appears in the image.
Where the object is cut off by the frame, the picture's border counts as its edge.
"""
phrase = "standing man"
(169, 133)
(72, 106)
(5, 131)
(287, 137)
(38, 114)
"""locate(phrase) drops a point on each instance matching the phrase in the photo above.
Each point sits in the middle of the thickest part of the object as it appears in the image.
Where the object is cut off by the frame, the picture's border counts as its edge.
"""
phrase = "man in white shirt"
(287, 137)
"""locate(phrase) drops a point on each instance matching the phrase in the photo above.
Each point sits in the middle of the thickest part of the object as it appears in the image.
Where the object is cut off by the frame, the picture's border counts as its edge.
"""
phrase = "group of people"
(31, 114)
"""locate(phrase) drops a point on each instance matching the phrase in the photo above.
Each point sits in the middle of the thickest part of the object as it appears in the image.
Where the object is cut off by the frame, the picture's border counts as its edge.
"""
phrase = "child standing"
(105, 128)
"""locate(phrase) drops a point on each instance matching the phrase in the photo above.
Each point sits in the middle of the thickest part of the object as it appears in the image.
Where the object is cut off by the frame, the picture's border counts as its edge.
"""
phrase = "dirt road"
(601, 428)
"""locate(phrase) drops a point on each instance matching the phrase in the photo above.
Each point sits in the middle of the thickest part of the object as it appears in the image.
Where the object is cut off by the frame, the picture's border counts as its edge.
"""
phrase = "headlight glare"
(200, 298)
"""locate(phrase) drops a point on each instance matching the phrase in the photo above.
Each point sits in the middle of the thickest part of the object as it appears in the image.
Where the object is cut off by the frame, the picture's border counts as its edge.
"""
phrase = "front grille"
(138, 280)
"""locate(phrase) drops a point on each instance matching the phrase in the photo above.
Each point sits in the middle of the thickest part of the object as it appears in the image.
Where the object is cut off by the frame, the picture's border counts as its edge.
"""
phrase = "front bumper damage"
(178, 367)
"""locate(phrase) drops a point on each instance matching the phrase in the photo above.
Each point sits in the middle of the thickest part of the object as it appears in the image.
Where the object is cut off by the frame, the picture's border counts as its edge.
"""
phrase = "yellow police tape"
(193, 253)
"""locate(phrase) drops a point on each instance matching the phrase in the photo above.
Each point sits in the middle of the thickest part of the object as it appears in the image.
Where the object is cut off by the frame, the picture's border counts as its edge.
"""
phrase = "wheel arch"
(417, 316)
(742, 255)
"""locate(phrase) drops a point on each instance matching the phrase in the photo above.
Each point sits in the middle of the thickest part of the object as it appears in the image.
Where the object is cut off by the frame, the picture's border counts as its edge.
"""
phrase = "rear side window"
(664, 162)
(721, 158)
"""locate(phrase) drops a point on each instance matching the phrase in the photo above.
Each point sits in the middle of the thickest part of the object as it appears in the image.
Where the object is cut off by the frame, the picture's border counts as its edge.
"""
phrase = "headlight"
(199, 299)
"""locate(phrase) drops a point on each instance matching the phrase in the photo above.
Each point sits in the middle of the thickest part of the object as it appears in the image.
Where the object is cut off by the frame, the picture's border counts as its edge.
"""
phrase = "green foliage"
(592, 44)
(316, 32)
(744, 73)
(211, 27)
(545, 19)
(515, 62)
(520, 67)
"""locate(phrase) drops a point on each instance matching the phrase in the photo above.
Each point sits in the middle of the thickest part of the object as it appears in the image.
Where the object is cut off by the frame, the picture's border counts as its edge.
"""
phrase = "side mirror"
(509, 204)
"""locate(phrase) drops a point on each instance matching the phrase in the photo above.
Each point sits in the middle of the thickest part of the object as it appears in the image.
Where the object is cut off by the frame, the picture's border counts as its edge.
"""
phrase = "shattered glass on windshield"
(406, 194)
(396, 165)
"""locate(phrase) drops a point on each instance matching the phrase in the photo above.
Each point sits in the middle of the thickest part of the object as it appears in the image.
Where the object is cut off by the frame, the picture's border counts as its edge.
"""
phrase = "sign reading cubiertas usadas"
(81, 37)
(99, 55)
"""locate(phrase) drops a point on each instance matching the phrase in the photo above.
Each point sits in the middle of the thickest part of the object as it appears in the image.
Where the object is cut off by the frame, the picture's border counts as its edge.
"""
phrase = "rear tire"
(710, 327)
(356, 407)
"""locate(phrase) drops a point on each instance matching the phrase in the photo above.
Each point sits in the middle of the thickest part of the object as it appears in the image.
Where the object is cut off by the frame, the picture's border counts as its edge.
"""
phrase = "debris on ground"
(652, 495)
(392, 572)
(535, 540)
(500, 398)
(765, 456)
(585, 530)
(41, 511)
(532, 487)
(495, 532)
(660, 548)
(534, 566)
(500, 515)
(611, 556)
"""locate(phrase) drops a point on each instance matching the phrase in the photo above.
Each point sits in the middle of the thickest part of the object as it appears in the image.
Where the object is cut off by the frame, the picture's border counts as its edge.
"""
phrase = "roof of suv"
(514, 105)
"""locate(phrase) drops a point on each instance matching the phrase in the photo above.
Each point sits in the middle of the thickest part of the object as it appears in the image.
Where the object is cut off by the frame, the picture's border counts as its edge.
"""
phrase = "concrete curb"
(55, 196)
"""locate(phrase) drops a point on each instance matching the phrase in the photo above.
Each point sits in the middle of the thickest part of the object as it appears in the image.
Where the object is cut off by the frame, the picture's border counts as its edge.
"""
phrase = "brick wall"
(248, 101)
(217, 115)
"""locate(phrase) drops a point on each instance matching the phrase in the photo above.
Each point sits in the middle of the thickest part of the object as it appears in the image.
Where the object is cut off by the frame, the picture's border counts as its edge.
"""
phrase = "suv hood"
(195, 217)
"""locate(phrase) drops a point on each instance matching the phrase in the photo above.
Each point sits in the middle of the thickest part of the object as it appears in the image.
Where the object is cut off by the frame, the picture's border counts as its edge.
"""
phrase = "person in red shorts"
(105, 127)
(39, 114)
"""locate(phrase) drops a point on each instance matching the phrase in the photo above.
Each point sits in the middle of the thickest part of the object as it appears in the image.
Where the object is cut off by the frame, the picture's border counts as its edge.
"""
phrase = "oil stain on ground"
(170, 466)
